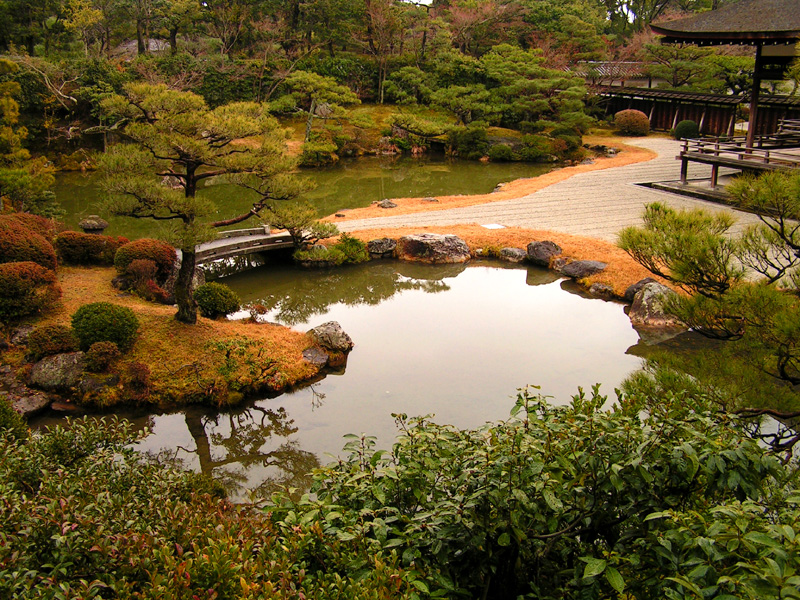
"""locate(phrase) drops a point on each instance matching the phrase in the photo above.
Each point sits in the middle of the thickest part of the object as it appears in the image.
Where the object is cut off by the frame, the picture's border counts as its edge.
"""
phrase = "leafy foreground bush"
(105, 322)
(632, 122)
(216, 300)
(571, 502)
(26, 288)
(84, 517)
(76, 248)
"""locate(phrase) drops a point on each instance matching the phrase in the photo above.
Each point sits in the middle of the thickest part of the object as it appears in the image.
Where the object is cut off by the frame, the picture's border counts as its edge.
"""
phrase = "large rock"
(583, 268)
(315, 356)
(630, 292)
(331, 336)
(58, 373)
(540, 253)
(433, 248)
(30, 404)
(513, 255)
(647, 309)
(381, 248)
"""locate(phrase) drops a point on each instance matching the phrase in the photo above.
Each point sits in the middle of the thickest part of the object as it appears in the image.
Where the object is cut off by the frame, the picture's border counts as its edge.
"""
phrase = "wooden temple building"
(773, 135)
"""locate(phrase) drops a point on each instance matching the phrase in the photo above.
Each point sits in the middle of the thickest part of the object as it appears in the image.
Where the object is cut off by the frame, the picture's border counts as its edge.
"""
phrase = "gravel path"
(594, 204)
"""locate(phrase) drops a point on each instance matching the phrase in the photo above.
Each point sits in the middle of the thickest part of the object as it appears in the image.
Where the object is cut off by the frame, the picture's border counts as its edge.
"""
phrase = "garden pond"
(351, 183)
(454, 341)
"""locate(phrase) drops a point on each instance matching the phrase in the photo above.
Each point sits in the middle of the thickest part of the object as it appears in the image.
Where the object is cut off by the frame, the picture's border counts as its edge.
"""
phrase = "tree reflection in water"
(247, 451)
(295, 296)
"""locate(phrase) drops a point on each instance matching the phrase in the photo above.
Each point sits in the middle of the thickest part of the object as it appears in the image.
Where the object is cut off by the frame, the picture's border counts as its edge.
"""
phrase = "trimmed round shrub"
(44, 227)
(568, 135)
(686, 130)
(100, 355)
(159, 252)
(535, 148)
(632, 122)
(19, 244)
(216, 300)
(501, 153)
(105, 322)
(26, 288)
(77, 248)
(49, 340)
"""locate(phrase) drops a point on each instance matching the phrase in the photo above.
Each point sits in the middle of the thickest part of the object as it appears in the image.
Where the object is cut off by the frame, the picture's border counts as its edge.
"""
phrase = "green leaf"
(421, 586)
(504, 540)
(614, 579)
(553, 502)
(594, 566)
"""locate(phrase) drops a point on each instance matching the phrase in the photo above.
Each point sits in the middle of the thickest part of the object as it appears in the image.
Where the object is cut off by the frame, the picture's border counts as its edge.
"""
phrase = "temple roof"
(743, 22)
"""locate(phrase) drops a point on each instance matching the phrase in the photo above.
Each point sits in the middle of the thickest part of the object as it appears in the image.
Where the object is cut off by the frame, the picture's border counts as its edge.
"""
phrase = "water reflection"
(455, 341)
(293, 296)
(248, 451)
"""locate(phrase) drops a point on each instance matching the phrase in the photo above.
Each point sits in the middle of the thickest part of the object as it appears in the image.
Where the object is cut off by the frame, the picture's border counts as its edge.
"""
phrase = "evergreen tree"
(175, 142)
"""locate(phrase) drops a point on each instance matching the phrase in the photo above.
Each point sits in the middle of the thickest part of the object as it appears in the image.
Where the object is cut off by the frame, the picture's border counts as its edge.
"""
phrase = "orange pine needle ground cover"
(621, 272)
(180, 357)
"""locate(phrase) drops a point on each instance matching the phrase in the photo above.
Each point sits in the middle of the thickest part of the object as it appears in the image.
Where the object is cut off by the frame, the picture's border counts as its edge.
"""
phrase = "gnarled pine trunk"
(187, 307)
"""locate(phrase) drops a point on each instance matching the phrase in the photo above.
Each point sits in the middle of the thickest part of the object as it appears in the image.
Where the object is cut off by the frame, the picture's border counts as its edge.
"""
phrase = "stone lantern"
(93, 224)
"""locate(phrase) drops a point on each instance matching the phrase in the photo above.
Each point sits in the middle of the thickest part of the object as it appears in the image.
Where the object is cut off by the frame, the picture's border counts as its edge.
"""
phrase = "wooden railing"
(735, 154)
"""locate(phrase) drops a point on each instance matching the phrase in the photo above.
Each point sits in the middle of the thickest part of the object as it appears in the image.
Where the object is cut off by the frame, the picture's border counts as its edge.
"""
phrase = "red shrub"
(78, 248)
(136, 380)
(159, 252)
(47, 228)
(18, 244)
(26, 288)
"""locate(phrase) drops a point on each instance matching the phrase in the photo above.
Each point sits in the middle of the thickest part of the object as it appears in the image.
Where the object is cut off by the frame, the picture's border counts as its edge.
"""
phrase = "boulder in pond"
(381, 248)
(647, 309)
(579, 269)
(331, 336)
(513, 255)
(315, 356)
(630, 292)
(433, 248)
(31, 403)
(601, 290)
(540, 253)
(58, 373)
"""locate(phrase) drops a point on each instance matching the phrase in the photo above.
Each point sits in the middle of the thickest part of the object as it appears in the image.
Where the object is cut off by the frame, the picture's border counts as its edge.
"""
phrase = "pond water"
(455, 341)
(351, 183)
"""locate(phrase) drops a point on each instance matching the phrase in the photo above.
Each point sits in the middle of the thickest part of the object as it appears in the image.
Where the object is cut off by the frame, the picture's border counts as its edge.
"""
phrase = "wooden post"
(714, 176)
(753, 120)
